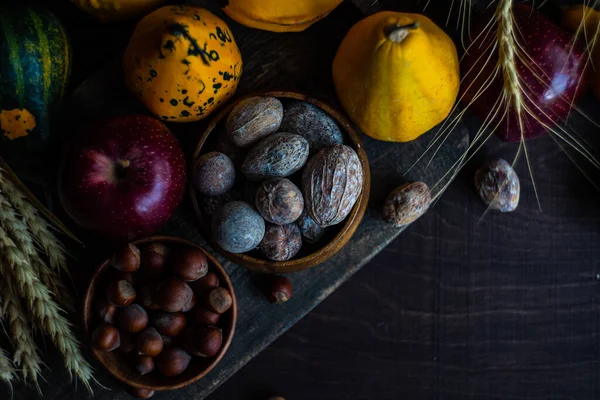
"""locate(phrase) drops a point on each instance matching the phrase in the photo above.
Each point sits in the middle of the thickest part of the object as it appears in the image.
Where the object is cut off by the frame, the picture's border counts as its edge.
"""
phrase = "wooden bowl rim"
(117, 372)
(346, 231)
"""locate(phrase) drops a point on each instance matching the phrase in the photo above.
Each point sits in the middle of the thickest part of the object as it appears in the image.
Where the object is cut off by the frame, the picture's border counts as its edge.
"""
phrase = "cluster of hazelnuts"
(161, 306)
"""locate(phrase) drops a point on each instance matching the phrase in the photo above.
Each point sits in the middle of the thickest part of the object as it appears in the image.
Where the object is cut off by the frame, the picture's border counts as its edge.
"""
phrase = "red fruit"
(124, 178)
(561, 68)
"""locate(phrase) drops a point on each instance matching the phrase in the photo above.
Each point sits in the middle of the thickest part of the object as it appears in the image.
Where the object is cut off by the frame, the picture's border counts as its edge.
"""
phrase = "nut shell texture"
(311, 231)
(278, 155)
(211, 205)
(281, 242)
(314, 124)
(238, 228)
(279, 201)
(498, 185)
(332, 182)
(252, 119)
(406, 203)
(214, 174)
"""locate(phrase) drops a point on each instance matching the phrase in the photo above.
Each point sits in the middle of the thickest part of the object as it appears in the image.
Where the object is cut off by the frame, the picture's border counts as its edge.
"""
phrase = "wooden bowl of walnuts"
(279, 182)
(160, 313)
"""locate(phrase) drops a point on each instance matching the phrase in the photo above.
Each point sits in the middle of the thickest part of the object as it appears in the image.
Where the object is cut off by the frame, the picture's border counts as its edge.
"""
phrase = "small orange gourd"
(280, 15)
(182, 63)
(589, 19)
(115, 10)
(396, 75)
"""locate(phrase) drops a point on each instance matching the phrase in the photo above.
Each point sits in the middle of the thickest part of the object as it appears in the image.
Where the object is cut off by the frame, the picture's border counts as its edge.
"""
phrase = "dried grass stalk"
(506, 57)
(18, 230)
(7, 370)
(49, 278)
(39, 227)
(44, 309)
(26, 354)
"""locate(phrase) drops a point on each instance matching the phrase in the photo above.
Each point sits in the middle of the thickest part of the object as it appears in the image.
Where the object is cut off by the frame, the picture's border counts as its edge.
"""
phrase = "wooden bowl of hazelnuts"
(160, 313)
(279, 182)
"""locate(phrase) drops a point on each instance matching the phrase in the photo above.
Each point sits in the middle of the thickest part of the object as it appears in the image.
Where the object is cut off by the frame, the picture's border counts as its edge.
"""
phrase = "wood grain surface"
(461, 306)
(296, 62)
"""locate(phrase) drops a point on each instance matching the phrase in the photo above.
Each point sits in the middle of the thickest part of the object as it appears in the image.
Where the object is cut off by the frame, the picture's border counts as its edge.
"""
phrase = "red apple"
(124, 178)
(560, 65)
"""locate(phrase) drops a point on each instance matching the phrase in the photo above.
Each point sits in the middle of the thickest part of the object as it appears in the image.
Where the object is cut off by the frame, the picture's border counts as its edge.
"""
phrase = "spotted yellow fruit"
(182, 63)
(16, 123)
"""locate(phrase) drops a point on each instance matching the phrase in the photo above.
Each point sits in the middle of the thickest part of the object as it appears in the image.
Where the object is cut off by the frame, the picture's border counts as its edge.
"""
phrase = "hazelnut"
(204, 284)
(190, 304)
(127, 258)
(203, 341)
(202, 316)
(133, 318)
(127, 342)
(219, 300)
(106, 337)
(149, 342)
(173, 361)
(143, 364)
(106, 312)
(146, 295)
(167, 341)
(130, 277)
(173, 294)
(139, 393)
(169, 324)
(120, 292)
(280, 290)
(154, 258)
(190, 264)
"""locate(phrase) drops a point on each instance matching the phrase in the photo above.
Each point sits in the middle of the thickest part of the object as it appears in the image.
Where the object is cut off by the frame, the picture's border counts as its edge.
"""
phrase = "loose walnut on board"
(498, 185)
(406, 203)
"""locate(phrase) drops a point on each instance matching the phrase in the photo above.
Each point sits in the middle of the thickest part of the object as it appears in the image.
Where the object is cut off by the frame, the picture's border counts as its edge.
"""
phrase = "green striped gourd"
(35, 63)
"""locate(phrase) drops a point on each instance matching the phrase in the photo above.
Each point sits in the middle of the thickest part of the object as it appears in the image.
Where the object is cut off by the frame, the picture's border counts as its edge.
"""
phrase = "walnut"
(252, 119)
(332, 182)
(498, 185)
(279, 201)
(406, 203)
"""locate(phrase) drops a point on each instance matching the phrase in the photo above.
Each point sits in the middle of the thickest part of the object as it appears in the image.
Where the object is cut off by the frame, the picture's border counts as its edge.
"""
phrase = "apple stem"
(396, 32)
(124, 163)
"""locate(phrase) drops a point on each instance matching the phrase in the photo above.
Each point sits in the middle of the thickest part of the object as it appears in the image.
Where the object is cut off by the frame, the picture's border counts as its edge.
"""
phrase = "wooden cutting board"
(295, 62)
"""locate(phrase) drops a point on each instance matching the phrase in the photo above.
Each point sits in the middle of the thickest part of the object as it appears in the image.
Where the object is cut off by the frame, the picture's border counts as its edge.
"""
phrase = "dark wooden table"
(461, 306)
(458, 307)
